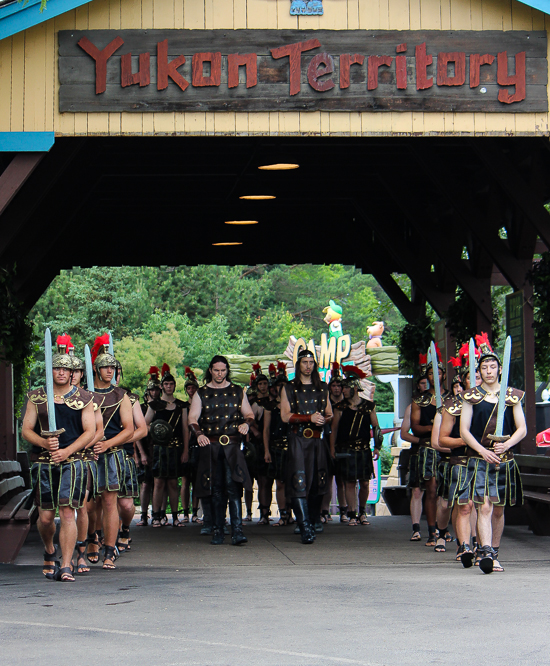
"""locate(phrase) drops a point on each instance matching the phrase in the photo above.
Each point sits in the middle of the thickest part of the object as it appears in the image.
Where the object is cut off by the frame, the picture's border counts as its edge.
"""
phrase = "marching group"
(109, 448)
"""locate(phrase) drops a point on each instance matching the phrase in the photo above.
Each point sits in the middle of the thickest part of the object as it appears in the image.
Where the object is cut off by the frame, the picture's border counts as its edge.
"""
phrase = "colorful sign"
(306, 7)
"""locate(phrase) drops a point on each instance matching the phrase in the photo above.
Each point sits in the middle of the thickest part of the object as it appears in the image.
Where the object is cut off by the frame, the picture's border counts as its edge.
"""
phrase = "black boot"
(299, 506)
(207, 522)
(236, 515)
(218, 515)
(314, 508)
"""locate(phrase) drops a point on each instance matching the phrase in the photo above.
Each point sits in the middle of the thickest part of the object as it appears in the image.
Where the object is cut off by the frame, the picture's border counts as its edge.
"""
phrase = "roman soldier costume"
(62, 484)
(308, 464)
(500, 483)
(278, 429)
(111, 464)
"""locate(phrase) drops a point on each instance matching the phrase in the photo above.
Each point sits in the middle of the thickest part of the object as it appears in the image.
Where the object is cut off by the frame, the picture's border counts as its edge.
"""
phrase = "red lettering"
(505, 79)
(443, 60)
(321, 64)
(401, 67)
(100, 58)
(234, 61)
(374, 62)
(476, 61)
(143, 75)
(294, 53)
(422, 62)
(346, 60)
(169, 70)
(199, 80)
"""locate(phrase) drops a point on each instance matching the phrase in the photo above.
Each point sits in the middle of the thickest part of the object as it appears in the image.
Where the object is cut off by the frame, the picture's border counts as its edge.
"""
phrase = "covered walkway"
(357, 596)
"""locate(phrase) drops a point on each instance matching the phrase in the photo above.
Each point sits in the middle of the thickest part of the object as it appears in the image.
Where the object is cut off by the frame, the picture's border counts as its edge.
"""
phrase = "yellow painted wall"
(28, 66)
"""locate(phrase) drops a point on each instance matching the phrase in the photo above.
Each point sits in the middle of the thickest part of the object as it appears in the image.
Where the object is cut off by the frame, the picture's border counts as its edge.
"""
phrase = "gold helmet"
(62, 359)
(78, 363)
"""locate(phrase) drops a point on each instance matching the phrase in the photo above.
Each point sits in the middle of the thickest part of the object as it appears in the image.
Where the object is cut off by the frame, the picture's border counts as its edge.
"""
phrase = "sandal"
(343, 514)
(448, 537)
(324, 516)
(195, 518)
(157, 520)
(65, 575)
(185, 518)
(144, 520)
(431, 542)
(497, 566)
(248, 517)
(283, 520)
(363, 519)
(51, 565)
(486, 560)
(93, 555)
(81, 566)
(163, 519)
(440, 545)
(465, 555)
(123, 541)
(352, 519)
(416, 536)
(109, 557)
(101, 538)
(176, 522)
(264, 514)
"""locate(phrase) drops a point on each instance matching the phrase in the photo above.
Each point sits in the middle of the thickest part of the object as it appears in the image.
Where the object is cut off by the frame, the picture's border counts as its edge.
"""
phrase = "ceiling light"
(226, 243)
(257, 197)
(242, 222)
(279, 167)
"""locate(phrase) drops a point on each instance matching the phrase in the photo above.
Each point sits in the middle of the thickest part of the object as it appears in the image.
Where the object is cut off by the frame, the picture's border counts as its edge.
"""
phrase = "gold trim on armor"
(224, 440)
(307, 433)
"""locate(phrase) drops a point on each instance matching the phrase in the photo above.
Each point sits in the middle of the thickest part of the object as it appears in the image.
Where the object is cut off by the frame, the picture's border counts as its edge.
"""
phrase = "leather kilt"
(500, 483)
(355, 462)
(308, 467)
(167, 461)
(279, 460)
(130, 485)
(110, 470)
(58, 485)
(443, 478)
(461, 487)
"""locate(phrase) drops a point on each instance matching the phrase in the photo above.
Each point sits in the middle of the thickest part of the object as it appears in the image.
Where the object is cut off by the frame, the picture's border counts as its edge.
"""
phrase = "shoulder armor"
(367, 406)
(181, 403)
(473, 396)
(133, 397)
(453, 405)
(79, 399)
(157, 405)
(38, 396)
(424, 399)
(514, 396)
(340, 406)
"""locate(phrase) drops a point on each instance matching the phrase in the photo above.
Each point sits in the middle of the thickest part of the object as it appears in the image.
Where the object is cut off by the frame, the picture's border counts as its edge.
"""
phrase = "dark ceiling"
(446, 211)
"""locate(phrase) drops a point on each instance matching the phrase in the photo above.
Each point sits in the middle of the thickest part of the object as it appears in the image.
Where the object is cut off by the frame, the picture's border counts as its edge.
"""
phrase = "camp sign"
(293, 70)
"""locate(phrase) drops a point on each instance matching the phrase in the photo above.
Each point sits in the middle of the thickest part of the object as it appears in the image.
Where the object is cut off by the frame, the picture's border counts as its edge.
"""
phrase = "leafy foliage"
(16, 336)
(414, 339)
(540, 279)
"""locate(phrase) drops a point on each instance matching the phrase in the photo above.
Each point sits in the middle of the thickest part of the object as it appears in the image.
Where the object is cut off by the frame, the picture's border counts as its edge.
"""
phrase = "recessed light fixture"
(242, 222)
(279, 167)
(257, 197)
(226, 243)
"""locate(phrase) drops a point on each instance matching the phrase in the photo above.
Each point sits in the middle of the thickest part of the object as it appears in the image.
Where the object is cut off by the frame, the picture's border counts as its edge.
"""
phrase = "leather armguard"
(299, 418)
(194, 427)
(378, 437)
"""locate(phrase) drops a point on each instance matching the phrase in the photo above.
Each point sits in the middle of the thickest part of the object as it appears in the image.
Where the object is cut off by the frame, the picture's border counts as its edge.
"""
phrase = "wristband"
(300, 418)
(195, 428)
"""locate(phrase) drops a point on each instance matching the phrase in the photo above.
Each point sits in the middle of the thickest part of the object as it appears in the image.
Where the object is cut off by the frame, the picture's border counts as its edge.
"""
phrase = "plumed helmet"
(257, 375)
(190, 377)
(167, 376)
(153, 382)
(485, 350)
(335, 376)
(353, 376)
(100, 353)
(62, 359)
(78, 363)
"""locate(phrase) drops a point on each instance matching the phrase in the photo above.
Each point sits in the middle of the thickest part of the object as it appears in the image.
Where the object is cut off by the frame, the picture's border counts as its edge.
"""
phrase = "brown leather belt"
(504, 457)
(224, 440)
(308, 433)
(459, 460)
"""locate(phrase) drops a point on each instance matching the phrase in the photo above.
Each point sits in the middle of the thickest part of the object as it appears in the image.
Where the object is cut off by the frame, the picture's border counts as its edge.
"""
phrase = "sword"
(435, 370)
(503, 386)
(52, 425)
(112, 352)
(472, 363)
(89, 368)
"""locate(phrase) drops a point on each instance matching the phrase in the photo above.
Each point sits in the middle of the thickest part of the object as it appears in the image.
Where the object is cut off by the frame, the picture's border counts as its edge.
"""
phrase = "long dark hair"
(217, 359)
(315, 377)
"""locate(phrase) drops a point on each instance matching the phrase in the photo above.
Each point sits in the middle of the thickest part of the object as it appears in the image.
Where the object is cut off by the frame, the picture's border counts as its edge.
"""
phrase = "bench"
(15, 518)
(535, 479)
(397, 497)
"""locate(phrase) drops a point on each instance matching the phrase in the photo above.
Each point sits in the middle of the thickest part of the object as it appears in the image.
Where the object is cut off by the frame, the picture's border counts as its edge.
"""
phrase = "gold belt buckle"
(308, 433)
(224, 440)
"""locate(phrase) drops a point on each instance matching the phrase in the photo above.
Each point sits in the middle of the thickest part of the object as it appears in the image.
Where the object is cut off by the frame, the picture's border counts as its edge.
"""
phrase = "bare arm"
(418, 430)
(185, 427)
(445, 429)
(406, 426)
(267, 426)
(435, 435)
(127, 423)
(88, 425)
(334, 431)
(99, 432)
(471, 441)
(519, 434)
(193, 420)
(149, 414)
(29, 422)
(139, 423)
(286, 412)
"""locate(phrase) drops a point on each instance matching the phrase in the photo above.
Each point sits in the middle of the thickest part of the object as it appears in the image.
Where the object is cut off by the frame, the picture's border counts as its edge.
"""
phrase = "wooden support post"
(7, 430)
(529, 443)
(15, 175)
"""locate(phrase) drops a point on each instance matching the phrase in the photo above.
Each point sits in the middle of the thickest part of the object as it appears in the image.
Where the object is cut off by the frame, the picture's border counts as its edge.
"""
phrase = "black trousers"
(224, 485)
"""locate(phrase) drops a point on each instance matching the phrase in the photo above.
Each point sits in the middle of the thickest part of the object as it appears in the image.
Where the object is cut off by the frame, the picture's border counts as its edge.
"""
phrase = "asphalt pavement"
(358, 595)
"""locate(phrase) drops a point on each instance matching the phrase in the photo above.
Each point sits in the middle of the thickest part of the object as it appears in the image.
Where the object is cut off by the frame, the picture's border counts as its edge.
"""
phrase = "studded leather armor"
(221, 410)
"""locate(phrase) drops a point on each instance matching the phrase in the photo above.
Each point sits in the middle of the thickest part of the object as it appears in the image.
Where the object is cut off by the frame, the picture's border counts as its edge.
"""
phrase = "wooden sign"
(292, 70)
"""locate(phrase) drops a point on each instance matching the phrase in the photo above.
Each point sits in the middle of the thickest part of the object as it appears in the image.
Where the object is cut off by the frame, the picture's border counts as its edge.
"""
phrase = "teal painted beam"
(541, 5)
(26, 142)
(19, 16)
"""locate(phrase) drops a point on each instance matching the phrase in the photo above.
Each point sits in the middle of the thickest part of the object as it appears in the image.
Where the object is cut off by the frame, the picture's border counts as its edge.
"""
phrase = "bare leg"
(416, 505)
(351, 495)
(497, 524)
(248, 495)
(484, 523)
(443, 515)
(173, 492)
(430, 502)
(67, 534)
(185, 492)
(363, 492)
(110, 517)
(46, 529)
(341, 491)
(145, 497)
(280, 495)
(159, 488)
(327, 497)
(464, 514)
(82, 521)
(473, 522)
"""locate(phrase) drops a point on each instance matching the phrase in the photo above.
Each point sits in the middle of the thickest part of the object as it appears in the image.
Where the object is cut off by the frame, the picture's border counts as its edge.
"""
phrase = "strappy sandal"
(324, 518)
(185, 518)
(163, 519)
(101, 538)
(51, 564)
(448, 537)
(363, 519)
(176, 522)
(123, 541)
(283, 519)
(432, 541)
(195, 518)
(497, 566)
(144, 520)
(440, 545)
(486, 561)
(109, 558)
(343, 514)
(247, 518)
(81, 566)
(416, 536)
(465, 555)
(157, 522)
(264, 515)
(65, 575)
(93, 556)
